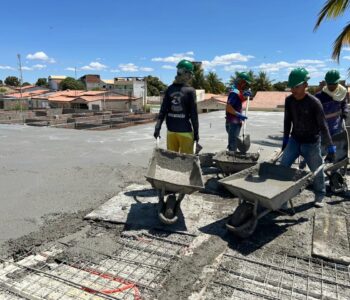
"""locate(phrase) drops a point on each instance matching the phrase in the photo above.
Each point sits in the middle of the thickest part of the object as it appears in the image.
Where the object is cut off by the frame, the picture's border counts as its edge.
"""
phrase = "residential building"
(132, 86)
(54, 81)
(91, 81)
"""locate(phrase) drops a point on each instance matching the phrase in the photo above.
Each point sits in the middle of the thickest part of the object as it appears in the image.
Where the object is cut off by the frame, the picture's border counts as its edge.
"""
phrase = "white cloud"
(146, 69)
(130, 67)
(176, 57)
(275, 67)
(168, 67)
(225, 60)
(94, 66)
(309, 61)
(40, 55)
(232, 68)
(6, 68)
(39, 67)
(347, 57)
(70, 69)
(115, 70)
(346, 49)
(25, 68)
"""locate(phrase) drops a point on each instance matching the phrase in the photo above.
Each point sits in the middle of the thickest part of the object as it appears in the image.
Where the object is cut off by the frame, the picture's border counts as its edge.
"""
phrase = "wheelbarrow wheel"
(337, 183)
(170, 206)
(243, 212)
(242, 222)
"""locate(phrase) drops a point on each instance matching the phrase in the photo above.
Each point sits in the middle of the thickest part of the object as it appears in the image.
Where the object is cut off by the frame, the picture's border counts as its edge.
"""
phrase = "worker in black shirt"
(179, 107)
(304, 122)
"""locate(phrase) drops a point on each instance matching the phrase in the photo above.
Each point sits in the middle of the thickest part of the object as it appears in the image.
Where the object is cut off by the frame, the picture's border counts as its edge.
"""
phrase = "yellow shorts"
(180, 142)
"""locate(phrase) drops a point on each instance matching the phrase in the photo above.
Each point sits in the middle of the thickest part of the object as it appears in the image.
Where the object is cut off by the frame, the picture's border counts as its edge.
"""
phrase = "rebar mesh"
(135, 271)
(279, 276)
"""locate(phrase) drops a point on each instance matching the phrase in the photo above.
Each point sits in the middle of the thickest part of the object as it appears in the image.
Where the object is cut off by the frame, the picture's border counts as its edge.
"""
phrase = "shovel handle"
(246, 112)
(157, 142)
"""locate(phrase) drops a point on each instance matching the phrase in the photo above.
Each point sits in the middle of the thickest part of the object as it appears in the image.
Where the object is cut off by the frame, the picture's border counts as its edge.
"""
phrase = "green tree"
(25, 83)
(41, 82)
(333, 9)
(12, 81)
(233, 78)
(154, 86)
(1, 82)
(214, 84)
(261, 83)
(70, 83)
(280, 86)
(198, 80)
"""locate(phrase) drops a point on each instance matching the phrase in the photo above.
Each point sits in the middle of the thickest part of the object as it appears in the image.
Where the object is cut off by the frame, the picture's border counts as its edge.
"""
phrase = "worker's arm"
(232, 99)
(161, 116)
(287, 123)
(322, 123)
(344, 109)
(194, 115)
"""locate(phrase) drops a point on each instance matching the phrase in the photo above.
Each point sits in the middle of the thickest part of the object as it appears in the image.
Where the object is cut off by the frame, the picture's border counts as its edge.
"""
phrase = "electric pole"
(20, 78)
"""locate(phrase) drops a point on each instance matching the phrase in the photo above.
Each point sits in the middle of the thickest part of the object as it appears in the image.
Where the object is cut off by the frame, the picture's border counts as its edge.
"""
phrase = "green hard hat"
(297, 77)
(185, 64)
(244, 76)
(332, 77)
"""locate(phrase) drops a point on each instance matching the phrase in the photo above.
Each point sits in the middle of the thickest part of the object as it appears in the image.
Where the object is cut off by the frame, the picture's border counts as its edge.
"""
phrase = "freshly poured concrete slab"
(137, 205)
(331, 238)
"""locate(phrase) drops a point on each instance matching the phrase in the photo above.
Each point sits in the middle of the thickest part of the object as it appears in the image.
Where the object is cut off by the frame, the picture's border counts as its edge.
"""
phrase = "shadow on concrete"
(144, 215)
(267, 230)
(267, 143)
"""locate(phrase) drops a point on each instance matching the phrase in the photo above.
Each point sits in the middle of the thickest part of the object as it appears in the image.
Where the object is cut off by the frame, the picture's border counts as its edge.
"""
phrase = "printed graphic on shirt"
(176, 105)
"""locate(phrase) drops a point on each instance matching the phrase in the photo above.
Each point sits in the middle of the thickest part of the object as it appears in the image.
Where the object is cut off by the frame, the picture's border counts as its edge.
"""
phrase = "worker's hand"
(330, 158)
(196, 137)
(156, 133)
(285, 142)
(247, 93)
(344, 116)
(241, 117)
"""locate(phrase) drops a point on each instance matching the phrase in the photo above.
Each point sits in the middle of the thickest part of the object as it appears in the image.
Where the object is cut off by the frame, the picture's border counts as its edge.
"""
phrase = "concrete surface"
(137, 205)
(48, 171)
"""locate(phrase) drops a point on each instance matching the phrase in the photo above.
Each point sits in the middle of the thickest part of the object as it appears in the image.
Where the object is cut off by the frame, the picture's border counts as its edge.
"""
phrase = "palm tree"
(214, 83)
(332, 10)
(198, 79)
(262, 82)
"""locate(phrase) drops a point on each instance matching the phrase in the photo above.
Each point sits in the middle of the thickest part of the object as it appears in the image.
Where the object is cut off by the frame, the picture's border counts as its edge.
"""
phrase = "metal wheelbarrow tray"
(229, 162)
(268, 184)
(175, 173)
(265, 185)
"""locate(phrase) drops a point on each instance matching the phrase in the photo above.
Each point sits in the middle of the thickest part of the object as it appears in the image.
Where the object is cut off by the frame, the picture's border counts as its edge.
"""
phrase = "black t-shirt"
(306, 119)
(179, 107)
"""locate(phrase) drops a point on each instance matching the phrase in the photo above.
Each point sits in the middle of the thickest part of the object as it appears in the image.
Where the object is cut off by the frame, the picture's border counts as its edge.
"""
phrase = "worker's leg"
(290, 153)
(186, 143)
(172, 141)
(312, 154)
(232, 130)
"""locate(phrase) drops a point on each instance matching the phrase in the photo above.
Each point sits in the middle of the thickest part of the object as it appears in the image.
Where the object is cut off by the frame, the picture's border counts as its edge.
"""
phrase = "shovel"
(243, 144)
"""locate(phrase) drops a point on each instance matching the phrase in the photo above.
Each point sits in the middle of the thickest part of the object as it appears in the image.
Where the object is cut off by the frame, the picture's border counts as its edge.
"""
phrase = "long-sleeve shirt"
(234, 99)
(179, 107)
(334, 111)
(305, 120)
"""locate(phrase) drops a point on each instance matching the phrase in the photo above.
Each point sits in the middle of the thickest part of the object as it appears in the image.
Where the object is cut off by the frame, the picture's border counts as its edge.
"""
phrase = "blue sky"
(138, 38)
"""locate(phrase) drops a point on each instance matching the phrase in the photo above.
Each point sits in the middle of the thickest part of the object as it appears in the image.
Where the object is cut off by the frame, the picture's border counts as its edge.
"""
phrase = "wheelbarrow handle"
(274, 160)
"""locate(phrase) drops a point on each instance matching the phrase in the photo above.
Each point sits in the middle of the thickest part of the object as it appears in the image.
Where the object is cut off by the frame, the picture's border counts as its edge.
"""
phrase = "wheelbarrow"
(175, 175)
(230, 162)
(261, 189)
(336, 172)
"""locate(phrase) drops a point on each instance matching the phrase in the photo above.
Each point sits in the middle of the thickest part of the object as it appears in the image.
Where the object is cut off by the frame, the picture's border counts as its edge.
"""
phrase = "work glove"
(285, 142)
(196, 137)
(241, 117)
(331, 150)
(157, 128)
(247, 93)
(344, 116)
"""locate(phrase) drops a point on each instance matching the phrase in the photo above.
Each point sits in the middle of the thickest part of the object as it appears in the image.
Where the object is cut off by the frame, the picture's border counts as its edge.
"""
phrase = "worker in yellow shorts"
(179, 109)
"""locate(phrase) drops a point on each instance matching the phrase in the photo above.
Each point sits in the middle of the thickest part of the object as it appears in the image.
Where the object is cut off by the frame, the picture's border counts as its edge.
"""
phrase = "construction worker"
(234, 116)
(179, 107)
(304, 122)
(333, 97)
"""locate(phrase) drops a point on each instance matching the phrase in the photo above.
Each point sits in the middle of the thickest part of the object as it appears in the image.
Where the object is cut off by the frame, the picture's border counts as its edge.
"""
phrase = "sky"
(139, 38)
